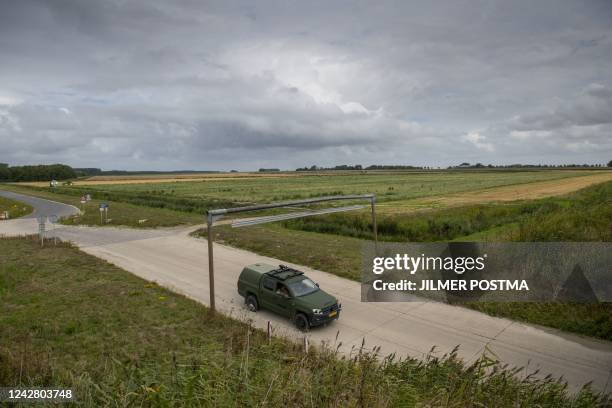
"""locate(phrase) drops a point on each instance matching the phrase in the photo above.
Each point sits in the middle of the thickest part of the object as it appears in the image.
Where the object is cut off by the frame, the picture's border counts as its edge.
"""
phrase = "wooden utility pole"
(374, 226)
(211, 266)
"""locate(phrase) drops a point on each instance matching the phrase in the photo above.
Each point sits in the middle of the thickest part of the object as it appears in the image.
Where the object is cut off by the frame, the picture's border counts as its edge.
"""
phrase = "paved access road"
(41, 206)
(174, 259)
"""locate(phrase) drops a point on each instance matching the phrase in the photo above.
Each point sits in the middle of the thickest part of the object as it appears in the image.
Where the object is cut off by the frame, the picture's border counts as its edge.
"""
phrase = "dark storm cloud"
(190, 84)
(592, 106)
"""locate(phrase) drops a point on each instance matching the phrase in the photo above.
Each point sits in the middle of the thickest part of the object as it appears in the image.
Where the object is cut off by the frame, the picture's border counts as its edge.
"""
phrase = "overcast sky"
(240, 85)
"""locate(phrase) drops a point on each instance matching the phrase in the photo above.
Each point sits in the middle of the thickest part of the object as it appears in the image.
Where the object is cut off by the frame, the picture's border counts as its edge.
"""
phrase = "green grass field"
(396, 191)
(70, 320)
(585, 215)
(14, 208)
(332, 243)
(198, 196)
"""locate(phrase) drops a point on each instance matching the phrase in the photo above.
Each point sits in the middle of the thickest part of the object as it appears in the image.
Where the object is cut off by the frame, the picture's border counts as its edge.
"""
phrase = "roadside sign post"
(103, 213)
(53, 220)
(41, 229)
(214, 215)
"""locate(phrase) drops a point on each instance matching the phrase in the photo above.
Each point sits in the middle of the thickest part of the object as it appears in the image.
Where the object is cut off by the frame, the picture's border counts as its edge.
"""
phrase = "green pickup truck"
(289, 293)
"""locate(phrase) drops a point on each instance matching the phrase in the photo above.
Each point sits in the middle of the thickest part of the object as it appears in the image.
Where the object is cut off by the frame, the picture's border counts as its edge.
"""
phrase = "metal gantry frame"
(214, 215)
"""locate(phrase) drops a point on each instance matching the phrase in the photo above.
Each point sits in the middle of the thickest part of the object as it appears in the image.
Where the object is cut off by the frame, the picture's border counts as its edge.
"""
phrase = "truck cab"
(289, 293)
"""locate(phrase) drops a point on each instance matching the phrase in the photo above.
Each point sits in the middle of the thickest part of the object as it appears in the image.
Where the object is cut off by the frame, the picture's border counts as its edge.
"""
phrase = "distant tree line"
(340, 167)
(359, 167)
(266, 170)
(394, 167)
(466, 165)
(87, 171)
(92, 171)
(41, 172)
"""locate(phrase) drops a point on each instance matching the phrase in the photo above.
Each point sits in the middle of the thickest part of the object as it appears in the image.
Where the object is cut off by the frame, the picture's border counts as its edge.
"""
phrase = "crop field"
(163, 177)
(388, 186)
(398, 193)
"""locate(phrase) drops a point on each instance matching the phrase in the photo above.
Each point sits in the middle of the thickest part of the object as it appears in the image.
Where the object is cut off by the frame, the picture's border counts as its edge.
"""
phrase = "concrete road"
(179, 262)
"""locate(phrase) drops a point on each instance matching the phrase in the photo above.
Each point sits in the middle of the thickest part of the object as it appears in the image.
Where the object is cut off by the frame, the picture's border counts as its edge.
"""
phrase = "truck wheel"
(301, 322)
(251, 303)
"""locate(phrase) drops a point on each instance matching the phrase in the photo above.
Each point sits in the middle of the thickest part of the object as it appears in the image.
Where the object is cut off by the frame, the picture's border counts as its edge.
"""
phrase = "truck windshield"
(303, 287)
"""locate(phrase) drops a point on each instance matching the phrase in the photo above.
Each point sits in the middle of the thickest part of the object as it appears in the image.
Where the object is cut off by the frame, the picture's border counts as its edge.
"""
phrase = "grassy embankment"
(15, 209)
(71, 320)
(585, 215)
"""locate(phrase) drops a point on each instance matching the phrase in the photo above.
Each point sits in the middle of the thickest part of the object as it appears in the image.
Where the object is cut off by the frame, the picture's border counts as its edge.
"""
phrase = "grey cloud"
(582, 124)
(592, 106)
(191, 84)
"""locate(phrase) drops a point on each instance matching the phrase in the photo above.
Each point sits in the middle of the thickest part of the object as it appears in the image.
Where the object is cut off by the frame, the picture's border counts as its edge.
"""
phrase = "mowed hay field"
(526, 191)
(398, 193)
(180, 194)
(167, 178)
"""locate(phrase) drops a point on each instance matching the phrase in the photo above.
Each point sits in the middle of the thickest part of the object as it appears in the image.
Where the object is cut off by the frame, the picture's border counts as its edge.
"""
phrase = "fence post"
(269, 332)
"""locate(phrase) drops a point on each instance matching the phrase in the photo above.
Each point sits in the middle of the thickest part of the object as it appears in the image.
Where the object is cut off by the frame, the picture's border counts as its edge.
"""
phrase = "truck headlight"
(317, 311)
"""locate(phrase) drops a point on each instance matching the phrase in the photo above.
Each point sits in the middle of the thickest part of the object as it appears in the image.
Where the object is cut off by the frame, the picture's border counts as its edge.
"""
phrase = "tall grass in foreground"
(71, 320)
(587, 217)
(249, 371)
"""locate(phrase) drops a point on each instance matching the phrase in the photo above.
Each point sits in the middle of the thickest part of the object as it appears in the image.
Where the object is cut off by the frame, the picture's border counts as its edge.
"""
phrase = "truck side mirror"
(317, 284)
